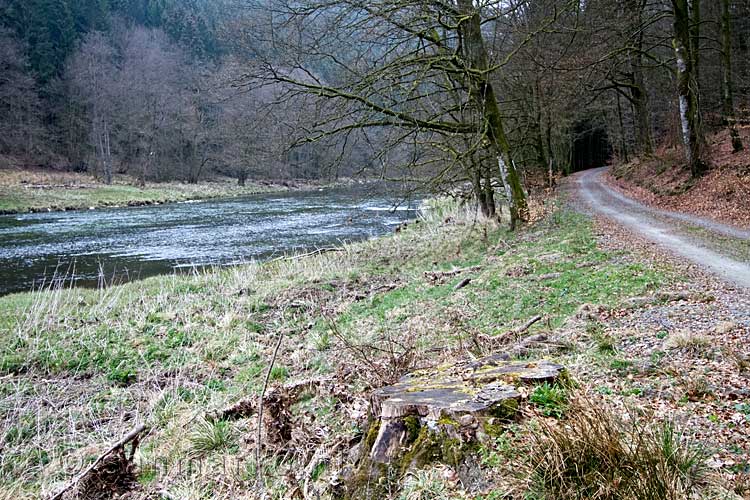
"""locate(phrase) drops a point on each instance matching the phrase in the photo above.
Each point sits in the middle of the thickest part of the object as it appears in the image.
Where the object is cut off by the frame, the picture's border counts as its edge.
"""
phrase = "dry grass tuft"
(688, 340)
(595, 454)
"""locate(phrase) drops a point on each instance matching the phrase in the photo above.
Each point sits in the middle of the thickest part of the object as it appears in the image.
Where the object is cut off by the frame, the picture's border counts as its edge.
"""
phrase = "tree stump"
(456, 402)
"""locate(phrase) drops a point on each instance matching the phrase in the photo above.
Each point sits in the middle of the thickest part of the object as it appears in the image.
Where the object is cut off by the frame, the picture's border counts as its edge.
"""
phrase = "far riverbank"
(36, 190)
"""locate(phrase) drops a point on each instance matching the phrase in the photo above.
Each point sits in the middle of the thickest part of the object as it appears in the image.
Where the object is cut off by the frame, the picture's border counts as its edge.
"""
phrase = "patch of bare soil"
(662, 181)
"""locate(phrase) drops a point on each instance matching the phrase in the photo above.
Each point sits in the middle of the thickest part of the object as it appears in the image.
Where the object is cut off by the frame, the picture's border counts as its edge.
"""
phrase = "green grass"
(586, 275)
(734, 247)
(169, 349)
(211, 436)
(551, 399)
(15, 199)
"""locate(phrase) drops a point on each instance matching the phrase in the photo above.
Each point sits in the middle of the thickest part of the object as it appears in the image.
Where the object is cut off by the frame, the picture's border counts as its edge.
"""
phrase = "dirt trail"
(664, 228)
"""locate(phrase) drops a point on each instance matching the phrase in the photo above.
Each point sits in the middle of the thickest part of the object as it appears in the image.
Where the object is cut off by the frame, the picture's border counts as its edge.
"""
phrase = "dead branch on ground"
(119, 446)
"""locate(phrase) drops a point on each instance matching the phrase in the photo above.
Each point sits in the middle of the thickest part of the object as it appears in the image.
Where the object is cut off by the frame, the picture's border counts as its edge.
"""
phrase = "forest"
(168, 89)
(148, 88)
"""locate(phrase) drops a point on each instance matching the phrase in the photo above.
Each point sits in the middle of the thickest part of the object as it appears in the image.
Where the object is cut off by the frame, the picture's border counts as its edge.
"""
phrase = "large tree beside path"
(686, 47)
(421, 70)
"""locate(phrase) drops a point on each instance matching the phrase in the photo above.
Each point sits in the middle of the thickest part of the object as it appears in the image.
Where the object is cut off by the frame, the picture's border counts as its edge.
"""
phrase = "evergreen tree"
(48, 30)
(90, 15)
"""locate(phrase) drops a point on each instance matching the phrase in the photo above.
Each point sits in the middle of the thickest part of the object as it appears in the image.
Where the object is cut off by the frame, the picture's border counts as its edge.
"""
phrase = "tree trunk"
(145, 166)
(550, 153)
(476, 182)
(638, 93)
(104, 153)
(727, 84)
(642, 114)
(623, 142)
(687, 88)
(107, 155)
(483, 95)
(694, 11)
(538, 126)
(489, 191)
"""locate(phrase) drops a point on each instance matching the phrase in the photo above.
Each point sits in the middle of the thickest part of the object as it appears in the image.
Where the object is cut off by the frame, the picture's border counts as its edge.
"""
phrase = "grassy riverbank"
(38, 190)
(78, 368)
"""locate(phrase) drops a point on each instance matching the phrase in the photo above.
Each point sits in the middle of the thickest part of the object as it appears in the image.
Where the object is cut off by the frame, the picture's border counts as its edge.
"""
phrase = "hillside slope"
(722, 194)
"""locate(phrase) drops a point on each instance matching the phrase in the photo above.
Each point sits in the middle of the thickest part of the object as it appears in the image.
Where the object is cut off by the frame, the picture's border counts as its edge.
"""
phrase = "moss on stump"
(440, 415)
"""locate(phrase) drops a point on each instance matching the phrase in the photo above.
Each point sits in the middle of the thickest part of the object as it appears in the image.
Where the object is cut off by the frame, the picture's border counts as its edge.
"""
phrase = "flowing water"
(92, 247)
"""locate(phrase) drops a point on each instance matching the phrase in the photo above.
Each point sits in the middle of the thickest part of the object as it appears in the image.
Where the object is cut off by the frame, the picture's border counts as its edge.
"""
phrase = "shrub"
(593, 454)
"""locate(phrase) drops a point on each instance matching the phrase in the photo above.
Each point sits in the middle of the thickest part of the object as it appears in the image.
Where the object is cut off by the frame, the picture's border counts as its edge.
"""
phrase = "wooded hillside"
(168, 89)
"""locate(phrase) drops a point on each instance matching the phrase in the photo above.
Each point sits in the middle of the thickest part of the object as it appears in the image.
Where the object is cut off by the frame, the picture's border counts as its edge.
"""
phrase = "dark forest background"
(158, 88)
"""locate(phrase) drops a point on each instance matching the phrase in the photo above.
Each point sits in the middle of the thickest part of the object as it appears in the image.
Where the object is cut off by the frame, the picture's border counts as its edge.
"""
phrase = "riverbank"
(28, 190)
(79, 368)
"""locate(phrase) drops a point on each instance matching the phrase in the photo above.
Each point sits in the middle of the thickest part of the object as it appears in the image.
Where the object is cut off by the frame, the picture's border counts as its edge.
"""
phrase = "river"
(113, 245)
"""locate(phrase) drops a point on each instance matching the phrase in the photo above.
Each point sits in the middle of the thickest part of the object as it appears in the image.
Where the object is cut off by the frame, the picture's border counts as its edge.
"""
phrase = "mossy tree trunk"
(483, 94)
(687, 87)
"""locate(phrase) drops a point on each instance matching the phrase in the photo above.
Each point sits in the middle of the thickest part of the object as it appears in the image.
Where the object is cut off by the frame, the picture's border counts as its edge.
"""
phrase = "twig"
(130, 436)
(308, 254)
(462, 284)
(511, 333)
(359, 350)
(258, 467)
(439, 275)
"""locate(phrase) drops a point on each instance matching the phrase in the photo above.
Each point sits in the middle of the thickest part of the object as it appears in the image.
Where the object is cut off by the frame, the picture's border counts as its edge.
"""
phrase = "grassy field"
(78, 368)
(25, 191)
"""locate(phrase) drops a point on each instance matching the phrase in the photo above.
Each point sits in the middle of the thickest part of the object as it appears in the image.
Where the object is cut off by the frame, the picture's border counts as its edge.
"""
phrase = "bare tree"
(399, 65)
(150, 88)
(200, 138)
(94, 74)
(685, 47)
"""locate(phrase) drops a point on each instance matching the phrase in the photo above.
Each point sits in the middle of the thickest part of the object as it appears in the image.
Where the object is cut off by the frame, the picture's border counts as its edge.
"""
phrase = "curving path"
(667, 229)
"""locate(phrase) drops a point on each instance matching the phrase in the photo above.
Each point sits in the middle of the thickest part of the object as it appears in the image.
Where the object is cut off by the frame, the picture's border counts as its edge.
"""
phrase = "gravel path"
(665, 228)
(687, 360)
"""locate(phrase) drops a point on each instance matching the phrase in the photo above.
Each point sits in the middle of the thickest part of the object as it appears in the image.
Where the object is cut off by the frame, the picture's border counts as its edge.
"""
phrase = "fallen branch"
(130, 436)
(384, 288)
(662, 298)
(544, 277)
(525, 346)
(307, 254)
(442, 275)
(499, 339)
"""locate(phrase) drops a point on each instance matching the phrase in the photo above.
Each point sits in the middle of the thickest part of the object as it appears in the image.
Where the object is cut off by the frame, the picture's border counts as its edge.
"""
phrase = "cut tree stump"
(459, 402)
